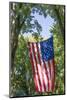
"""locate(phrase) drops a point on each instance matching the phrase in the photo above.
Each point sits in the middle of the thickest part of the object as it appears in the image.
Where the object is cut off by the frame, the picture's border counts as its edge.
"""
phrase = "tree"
(57, 13)
(20, 23)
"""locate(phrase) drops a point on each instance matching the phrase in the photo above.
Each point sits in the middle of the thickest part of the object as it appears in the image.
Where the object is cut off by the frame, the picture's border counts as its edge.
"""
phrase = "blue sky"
(46, 24)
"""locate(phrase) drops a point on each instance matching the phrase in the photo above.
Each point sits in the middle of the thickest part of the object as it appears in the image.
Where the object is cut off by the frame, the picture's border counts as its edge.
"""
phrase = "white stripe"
(43, 70)
(40, 75)
(33, 58)
(48, 70)
(37, 81)
(35, 67)
(49, 74)
(47, 66)
(35, 48)
(39, 68)
(45, 79)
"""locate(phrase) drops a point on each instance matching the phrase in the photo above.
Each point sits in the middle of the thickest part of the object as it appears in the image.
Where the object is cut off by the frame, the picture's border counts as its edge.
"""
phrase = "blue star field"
(47, 50)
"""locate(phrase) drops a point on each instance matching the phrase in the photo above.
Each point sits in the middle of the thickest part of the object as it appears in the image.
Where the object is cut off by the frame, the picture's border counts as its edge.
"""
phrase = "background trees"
(21, 81)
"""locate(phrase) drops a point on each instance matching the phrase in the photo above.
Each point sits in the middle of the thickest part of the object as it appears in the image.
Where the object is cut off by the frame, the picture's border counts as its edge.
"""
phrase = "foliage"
(22, 79)
(21, 76)
(20, 22)
(22, 71)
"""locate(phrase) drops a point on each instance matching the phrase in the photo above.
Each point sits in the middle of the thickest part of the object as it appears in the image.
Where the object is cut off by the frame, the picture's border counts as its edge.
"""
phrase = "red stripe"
(49, 66)
(41, 65)
(31, 59)
(53, 81)
(44, 83)
(51, 73)
(35, 81)
(46, 75)
(36, 65)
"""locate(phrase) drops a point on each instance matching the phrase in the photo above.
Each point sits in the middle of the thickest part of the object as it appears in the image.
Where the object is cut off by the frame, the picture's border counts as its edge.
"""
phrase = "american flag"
(42, 60)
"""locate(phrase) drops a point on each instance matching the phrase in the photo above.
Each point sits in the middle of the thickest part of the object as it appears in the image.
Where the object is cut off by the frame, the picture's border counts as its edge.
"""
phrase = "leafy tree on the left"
(20, 22)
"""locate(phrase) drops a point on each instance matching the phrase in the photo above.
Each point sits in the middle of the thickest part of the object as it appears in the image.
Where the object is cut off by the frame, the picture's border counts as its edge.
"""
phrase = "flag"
(42, 59)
